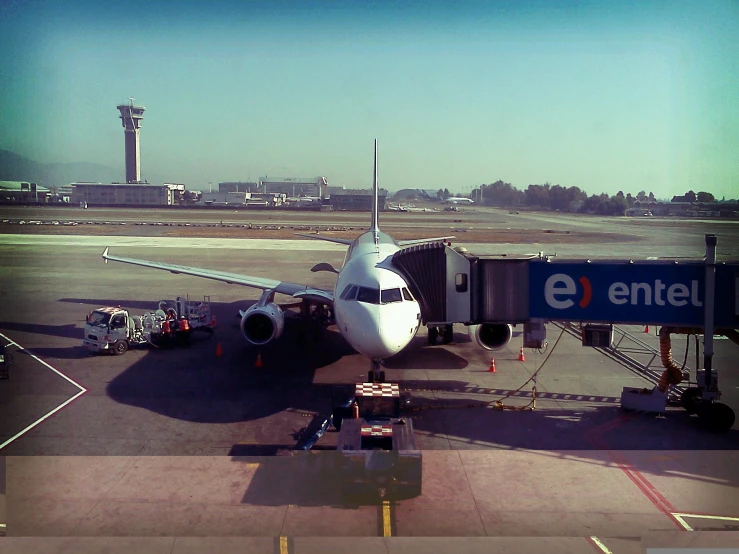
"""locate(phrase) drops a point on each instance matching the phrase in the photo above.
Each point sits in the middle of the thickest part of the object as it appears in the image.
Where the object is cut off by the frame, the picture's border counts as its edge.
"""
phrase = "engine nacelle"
(491, 336)
(262, 324)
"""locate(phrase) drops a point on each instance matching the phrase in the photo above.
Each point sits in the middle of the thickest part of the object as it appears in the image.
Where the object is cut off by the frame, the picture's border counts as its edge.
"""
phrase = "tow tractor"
(376, 448)
(114, 329)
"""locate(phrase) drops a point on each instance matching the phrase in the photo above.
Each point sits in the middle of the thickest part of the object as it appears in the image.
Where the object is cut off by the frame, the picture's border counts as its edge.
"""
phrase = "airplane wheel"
(433, 334)
(448, 334)
(382, 377)
(690, 400)
(120, 347)
(718, 416)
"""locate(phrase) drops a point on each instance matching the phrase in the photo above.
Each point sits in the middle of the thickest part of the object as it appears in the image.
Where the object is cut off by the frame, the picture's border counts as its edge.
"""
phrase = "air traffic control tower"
(131, 117)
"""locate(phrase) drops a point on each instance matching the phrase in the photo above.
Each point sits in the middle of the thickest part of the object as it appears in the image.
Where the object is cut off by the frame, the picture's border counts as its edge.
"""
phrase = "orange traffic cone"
(213, 321)
(219, 349)
(646, 328)
(492, 365)
(521, 357)
(258, 363)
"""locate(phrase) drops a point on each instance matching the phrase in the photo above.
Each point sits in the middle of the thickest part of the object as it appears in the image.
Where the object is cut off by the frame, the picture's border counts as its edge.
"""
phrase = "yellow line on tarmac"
(283, 545)
(600, 545)
(387, 530)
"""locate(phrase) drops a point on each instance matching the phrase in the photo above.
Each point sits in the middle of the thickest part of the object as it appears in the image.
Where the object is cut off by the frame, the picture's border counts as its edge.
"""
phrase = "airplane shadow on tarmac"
(195, 385)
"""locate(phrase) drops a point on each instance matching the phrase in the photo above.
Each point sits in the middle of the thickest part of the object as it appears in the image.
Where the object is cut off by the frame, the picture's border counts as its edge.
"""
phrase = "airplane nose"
(390, 340)
(378, 342)
(378, 333)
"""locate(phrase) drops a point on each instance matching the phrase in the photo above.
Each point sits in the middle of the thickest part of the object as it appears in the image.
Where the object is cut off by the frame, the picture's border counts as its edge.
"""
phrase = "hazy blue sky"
(601, 95)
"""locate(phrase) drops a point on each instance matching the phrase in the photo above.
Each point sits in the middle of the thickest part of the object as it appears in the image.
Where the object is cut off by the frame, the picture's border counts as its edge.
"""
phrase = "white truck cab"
(107, 329)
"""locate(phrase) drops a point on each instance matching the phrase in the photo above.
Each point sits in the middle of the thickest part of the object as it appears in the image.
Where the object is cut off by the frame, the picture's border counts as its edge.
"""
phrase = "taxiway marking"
(599, 545)
(594, 436)
(687, 527)
(387, 528)
(82, 390)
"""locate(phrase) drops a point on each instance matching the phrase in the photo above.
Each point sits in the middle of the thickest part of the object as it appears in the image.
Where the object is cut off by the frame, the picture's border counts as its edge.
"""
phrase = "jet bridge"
(454, 286)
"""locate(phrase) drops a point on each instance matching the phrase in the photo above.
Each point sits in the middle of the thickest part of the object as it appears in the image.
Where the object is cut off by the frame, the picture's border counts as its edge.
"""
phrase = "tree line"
(573, 199)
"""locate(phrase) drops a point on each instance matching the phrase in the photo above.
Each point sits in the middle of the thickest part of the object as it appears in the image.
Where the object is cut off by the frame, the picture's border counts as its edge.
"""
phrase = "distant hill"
(17, 168)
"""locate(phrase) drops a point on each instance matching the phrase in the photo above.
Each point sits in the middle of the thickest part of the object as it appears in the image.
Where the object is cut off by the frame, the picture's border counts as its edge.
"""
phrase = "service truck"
(114, 329)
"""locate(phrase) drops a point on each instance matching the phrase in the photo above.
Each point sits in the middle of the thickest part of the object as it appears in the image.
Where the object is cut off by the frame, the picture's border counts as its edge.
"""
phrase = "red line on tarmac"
(653, 495)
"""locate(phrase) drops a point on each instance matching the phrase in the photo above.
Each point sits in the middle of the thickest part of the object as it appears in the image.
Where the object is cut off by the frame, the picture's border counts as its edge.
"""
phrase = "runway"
(182, 443)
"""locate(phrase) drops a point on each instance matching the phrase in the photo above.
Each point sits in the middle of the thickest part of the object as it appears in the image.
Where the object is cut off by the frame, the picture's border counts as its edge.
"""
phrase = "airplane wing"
(422, 241)
(329, 239)
(282, 287)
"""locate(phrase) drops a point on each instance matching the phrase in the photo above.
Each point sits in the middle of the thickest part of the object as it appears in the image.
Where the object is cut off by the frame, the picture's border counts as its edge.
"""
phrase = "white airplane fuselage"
(381, 317)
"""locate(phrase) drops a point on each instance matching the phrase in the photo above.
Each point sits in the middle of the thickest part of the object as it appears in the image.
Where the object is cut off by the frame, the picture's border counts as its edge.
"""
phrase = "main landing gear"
(446, 332)
(718, 416)
(375, 374)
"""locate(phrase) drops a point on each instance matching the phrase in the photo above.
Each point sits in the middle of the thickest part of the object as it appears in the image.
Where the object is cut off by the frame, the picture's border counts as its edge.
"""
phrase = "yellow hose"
(673, 374)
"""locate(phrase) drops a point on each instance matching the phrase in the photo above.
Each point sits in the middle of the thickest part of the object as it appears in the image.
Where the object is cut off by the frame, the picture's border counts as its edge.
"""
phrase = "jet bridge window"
(368, 295)
(460, 282)
(391, 295)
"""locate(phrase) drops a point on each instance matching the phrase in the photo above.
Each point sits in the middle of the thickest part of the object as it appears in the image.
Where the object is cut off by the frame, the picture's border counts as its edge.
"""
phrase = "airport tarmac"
(182, 442)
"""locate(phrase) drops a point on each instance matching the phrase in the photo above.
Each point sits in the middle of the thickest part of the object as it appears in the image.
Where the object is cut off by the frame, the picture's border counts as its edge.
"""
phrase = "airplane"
(458, 200)
(371, 303)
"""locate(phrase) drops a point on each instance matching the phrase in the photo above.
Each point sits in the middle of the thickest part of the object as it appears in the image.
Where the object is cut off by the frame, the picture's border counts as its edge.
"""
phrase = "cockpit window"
(349, 292)
(391, 295)
(368, 295)
(407, 294)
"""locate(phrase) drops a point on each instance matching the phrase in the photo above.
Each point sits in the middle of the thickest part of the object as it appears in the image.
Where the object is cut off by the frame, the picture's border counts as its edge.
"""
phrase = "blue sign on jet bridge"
(660, 293)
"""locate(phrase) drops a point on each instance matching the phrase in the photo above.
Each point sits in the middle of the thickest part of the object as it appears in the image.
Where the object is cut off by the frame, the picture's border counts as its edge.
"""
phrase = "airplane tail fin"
(375, 227)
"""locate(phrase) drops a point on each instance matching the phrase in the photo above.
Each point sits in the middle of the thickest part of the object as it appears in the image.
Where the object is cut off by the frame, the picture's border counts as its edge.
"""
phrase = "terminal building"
(238, 186)
(294, 187)
(241, 198)
(19, 191)
(132, 194)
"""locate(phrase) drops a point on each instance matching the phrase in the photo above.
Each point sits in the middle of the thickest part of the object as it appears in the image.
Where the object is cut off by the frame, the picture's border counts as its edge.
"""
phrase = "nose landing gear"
(375, 374)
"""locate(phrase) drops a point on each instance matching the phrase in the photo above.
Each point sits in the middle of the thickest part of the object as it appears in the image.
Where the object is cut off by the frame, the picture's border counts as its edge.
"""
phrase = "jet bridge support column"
(717, 415)
(709, 311)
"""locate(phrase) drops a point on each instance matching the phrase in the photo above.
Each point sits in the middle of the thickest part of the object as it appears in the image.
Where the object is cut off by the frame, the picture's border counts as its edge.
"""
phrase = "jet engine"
(491, 336)
(262, 323)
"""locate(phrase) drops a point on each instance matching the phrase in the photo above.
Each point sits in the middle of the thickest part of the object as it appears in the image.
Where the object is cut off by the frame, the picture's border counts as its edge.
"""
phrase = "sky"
(601, 95)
